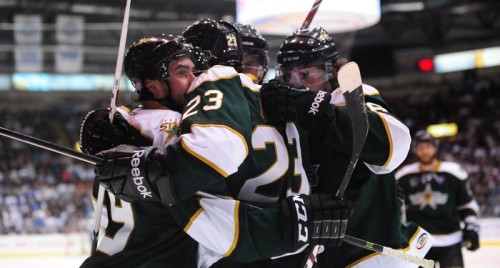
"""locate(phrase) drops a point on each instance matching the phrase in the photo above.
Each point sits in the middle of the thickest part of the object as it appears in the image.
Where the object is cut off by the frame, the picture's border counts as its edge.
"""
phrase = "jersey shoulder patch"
(454, 169)
(408, 169)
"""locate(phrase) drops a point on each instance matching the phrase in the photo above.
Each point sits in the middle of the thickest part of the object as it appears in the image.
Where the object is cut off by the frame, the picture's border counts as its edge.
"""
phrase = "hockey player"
(143, 233)
(310, 58)
(255, 52)
(228, 241)
(439, 199)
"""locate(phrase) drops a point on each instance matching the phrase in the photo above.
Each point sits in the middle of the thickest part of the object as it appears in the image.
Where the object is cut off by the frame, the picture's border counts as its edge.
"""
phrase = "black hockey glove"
(317, 219)
(98, 134)
(471, 236)
(284, 102)
(136, 174)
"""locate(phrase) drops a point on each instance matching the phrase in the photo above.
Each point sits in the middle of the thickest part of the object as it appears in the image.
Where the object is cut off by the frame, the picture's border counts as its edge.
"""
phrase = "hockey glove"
(284, 102)
(136, 174)
(471, 236)
(97, 133)
(316, 220)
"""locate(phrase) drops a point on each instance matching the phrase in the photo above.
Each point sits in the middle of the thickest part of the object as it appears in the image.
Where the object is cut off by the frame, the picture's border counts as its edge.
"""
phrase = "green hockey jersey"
(372, 187)
(439, 200)
(227, 148)
(150, 233)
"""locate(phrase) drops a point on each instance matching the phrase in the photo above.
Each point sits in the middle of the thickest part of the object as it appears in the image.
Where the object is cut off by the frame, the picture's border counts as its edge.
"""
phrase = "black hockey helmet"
(424, 136)
(307, 47)
(221, 39)
(254, 43)
(150, 56)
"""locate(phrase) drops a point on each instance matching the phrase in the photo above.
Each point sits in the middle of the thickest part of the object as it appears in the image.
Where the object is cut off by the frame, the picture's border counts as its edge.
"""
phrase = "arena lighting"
(466, 60)
(80, 82)
(282, 17)
(426, 65)
(443, 130)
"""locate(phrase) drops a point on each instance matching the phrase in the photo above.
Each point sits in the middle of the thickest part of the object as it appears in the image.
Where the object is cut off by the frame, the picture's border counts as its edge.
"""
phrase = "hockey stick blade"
(351, 87)
(425, 263)
(349, 77)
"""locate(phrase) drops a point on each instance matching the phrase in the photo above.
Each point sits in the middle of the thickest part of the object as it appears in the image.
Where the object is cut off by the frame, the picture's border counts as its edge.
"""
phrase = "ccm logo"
(137, 177)
(421, 241)
(300, 208)
(291, 58)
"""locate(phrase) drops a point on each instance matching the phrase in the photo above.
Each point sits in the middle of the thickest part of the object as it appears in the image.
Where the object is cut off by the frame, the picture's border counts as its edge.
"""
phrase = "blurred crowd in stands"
(41, 191)
(472, 105)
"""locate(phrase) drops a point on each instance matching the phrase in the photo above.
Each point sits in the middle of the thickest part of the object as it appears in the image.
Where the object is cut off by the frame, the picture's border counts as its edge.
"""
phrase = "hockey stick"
(351, 87)
(96, 160)
(349, 79)
(311, 15)
(112, 111)
(119, 62)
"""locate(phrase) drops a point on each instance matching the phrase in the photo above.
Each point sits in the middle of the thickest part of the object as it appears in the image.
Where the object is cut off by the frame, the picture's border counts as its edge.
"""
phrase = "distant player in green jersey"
(439, 199)
(310, 59)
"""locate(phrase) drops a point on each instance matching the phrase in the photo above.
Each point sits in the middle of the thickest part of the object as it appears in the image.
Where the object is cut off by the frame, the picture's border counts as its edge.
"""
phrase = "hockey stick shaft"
(388, 251)
(349, 79)
(48, 146)
(311, 14)
(119, 61)
(112, 111)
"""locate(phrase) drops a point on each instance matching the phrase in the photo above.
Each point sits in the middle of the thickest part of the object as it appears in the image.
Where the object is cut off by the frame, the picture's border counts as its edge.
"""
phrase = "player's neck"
(430, 166)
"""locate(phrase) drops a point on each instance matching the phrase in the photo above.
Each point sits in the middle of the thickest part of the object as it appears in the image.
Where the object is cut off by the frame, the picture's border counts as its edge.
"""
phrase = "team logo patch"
(421, 241)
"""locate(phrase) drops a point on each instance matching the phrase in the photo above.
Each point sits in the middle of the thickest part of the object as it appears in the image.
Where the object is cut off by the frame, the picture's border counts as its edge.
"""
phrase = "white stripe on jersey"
(215, 73)
(219, 146)
(400, 141)
(454, 169)
(247, 83)
(216, 226)
(397, 132)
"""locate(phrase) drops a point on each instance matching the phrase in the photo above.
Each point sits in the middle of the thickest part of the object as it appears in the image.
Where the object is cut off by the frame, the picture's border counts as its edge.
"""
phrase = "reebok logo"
(137, 177)
(300, 208)
(320, 97)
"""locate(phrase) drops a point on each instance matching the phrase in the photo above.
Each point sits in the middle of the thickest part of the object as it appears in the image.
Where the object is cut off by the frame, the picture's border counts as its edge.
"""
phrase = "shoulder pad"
(215, 73)
(454, 169)
(408, 169)
(247, 82)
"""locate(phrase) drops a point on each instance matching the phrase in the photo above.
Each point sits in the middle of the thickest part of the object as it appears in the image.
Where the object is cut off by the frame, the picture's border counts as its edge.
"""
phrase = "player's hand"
(97, 133)
(136, 174)
(283, 102)
(318, 219)
(471, 236)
